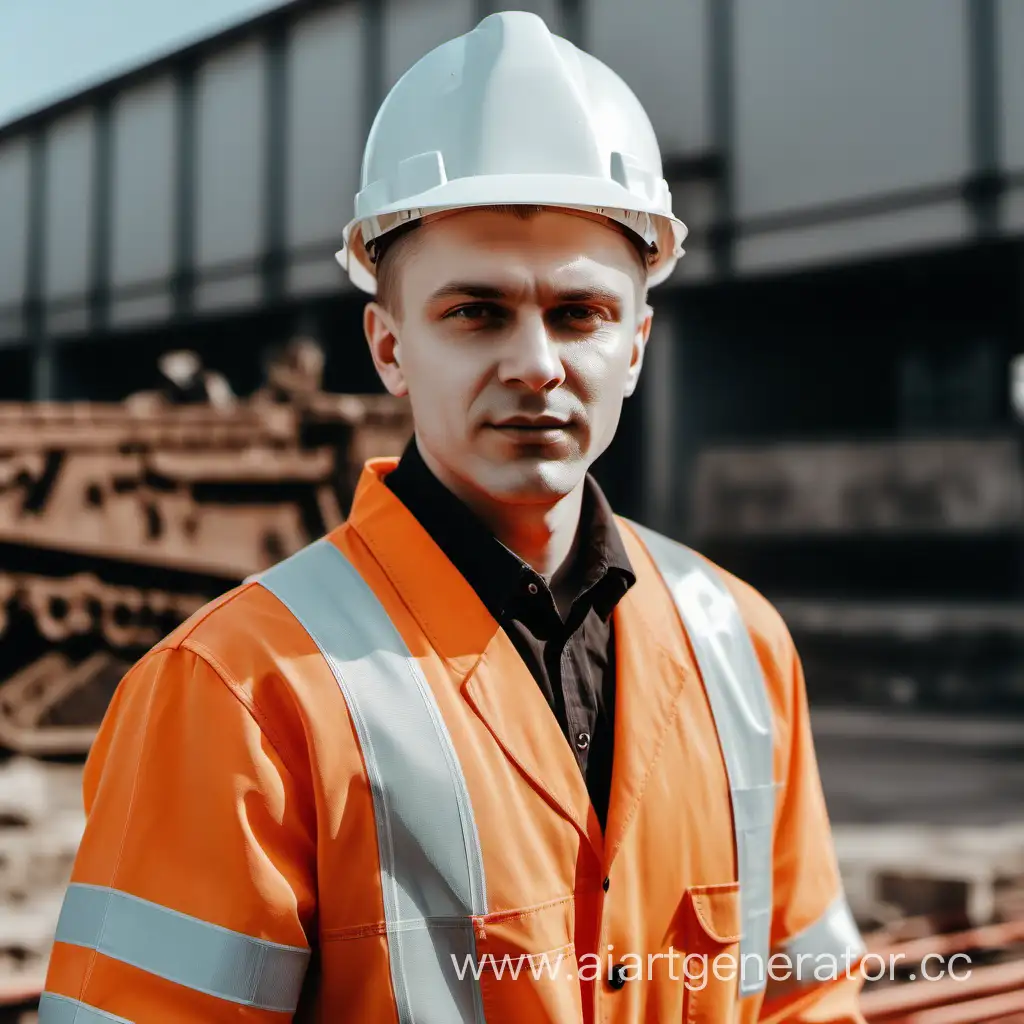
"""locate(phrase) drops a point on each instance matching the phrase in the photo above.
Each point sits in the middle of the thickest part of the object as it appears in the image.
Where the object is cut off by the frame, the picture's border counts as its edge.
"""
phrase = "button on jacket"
(231, 867)
(572, 658)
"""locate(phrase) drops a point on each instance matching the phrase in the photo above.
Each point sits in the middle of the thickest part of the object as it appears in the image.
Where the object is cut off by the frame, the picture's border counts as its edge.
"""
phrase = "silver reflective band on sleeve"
(201, 956)
(739, 703)
(432, 873)
(833, 939)
(54, 1009)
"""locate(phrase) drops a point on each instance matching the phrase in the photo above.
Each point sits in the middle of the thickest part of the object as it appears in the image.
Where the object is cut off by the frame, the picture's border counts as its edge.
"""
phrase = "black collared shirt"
(572, 660)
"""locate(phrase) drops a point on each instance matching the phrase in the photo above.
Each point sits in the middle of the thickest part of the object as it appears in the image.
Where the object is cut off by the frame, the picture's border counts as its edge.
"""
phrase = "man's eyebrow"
(590, 295)
(479, 290)
(469, 289)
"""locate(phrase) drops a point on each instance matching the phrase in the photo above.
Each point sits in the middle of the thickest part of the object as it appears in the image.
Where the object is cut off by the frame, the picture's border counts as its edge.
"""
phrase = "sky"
(50, 49)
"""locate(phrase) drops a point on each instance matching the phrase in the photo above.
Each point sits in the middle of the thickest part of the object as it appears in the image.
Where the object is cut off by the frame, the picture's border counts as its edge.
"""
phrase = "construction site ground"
(928, 819)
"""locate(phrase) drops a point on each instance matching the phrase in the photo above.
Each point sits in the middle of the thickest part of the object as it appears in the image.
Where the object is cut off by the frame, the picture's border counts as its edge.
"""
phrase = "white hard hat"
(511, 114)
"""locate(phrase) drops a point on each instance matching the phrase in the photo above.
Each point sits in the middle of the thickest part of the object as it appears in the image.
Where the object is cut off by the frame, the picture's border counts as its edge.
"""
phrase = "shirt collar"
(501, 578)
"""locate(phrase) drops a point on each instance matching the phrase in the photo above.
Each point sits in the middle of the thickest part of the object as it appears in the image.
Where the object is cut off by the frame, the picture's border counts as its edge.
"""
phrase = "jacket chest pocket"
(527, 964)
(707, 939)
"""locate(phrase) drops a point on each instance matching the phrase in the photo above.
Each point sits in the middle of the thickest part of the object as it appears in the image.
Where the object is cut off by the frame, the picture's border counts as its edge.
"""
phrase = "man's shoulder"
(244, 635)
(774, 647)
(226, 617)
(768, 630)
(245, 642)
(764, 622)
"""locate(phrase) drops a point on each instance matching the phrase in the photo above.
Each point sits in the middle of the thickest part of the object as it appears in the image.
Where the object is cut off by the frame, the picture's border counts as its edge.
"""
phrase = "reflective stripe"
(834, 934)
(832, 943)
(431, 864)
(190, 952)
(739, 702)
(55, 1009)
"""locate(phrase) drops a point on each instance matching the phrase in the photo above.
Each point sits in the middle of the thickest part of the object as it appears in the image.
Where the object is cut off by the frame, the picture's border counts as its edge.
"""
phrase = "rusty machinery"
(118, 521)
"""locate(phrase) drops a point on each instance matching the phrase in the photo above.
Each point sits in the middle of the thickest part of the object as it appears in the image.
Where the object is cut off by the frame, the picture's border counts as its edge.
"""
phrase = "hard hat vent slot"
(373, 197)
(420, 173)
(632, 175)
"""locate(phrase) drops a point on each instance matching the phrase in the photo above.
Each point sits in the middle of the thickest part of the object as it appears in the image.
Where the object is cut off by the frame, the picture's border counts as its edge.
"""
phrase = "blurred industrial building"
(828, 404)
(833, 400)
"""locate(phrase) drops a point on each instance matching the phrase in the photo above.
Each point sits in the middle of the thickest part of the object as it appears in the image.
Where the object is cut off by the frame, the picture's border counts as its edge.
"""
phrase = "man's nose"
(531, 357)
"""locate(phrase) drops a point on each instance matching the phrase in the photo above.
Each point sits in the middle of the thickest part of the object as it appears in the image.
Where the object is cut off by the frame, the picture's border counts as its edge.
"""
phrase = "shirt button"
(582, 740)
(532, 588)
(617, 976)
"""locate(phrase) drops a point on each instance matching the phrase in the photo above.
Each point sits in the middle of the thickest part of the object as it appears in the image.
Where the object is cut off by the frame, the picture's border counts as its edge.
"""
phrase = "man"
(485, 753)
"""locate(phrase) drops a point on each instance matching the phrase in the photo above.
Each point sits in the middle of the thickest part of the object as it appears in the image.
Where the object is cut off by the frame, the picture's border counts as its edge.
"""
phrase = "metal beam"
(574, 27)
(983, 188)
(34, 255)
(722, 51)
(661, 423)
(373, 61)
(34, 309)
(185, 173)
(275, 162)
(99, 263)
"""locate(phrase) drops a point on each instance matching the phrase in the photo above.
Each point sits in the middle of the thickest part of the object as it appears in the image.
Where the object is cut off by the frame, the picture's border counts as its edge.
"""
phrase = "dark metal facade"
(198, 200)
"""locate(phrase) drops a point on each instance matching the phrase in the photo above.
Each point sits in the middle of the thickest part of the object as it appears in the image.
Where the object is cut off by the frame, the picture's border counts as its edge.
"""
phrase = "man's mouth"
(533, 429)
(546, 422)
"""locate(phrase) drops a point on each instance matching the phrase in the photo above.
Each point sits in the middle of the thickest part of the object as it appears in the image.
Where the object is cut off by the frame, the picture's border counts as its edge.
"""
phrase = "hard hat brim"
(565, 192)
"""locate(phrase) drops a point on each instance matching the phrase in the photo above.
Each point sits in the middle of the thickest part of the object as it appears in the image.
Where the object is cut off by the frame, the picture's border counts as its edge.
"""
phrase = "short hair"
(390, 249)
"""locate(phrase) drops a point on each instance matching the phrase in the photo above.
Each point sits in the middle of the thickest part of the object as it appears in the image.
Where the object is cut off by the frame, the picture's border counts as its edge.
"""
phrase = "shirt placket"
(579, 726)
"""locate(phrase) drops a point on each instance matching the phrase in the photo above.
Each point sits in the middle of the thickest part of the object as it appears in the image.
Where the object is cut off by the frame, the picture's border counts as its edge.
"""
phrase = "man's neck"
(543, 534)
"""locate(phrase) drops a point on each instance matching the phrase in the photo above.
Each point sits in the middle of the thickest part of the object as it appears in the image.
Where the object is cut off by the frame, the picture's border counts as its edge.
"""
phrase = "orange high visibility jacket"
(336, 794)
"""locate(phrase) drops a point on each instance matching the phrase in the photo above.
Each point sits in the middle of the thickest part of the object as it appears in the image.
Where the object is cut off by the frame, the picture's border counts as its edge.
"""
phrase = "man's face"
(516, 342)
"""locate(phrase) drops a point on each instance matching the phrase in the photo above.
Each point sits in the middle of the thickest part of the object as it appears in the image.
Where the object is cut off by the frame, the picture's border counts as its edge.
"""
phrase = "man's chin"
(530, 482)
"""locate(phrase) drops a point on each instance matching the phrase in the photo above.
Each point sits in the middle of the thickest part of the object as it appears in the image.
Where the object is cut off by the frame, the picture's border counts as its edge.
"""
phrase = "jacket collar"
(498, 575)
(455, 621)
(651, 651)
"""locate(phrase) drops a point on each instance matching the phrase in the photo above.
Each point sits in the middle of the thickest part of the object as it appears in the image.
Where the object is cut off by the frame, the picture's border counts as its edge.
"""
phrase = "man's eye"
(475, 311)
(578, 315)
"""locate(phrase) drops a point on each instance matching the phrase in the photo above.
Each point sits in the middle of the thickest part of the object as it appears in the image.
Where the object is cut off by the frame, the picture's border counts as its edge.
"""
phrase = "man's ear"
(381, 332)
(640, 339)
